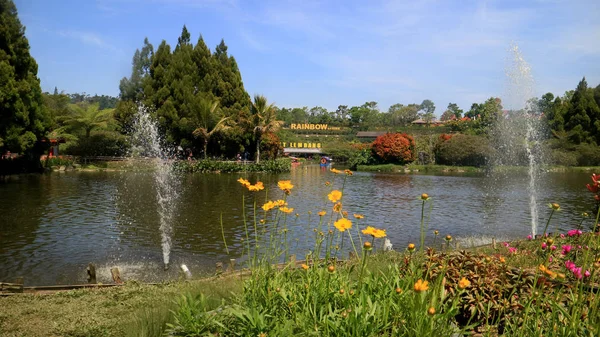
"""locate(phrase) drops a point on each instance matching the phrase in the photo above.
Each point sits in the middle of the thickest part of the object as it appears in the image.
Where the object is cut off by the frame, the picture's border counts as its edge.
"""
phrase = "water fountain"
(147, 142)
(519, 129)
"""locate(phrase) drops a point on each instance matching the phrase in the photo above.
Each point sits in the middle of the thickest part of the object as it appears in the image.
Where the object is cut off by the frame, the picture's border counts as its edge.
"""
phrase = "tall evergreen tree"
(23, 117)
(228, 85)
(578, 119)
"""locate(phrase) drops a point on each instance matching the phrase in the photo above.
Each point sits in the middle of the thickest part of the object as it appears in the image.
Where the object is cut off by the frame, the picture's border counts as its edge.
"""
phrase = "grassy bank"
(413, 168)
(130, 310)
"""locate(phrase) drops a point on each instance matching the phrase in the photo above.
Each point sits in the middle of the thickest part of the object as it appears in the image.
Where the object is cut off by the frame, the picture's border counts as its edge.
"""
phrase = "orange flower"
(348, 172)
(280, 203)
(377, 233)
(424, 197)
(321, 213)
(244, 182)
(337, 207)
(343, 224)
(304, 266)
(421, 286)
(284, 209)
(334, 196)
(331, 269)
(256, 187)
(268, 206)
(431, 311)
(411, 247)
(359, 216)
(335, 171)
(463, 283)
(285, 185)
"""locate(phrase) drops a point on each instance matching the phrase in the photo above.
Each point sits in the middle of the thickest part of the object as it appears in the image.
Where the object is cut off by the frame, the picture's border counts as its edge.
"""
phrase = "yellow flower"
(345, 214)
(542, 268)
(555, 206)
(424, 197)
(321, 213)
(421, 286)
(335, 171)
(411, 247)
(327, 183)
(367, 245)
(334, 196)
(448, 238)
(331, 269)
(436, 232)
(256, 187)
(285, 185)
(280, 203)
(348, 172)
(244, 182)
(268, 206)
(377, 233)
(359, 216)
(343, 224)
(304, 266)
(284, 209)
(431, 311)
(398, 290)
(502, 259)
(463, 283)
(337, 207)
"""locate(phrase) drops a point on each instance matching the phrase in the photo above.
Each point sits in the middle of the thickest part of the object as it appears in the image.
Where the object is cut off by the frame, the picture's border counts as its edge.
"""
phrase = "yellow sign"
(305, 126)
(303, 145)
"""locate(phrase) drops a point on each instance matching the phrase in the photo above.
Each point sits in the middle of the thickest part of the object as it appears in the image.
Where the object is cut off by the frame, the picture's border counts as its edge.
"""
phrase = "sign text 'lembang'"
(305, 126)
(302, 145)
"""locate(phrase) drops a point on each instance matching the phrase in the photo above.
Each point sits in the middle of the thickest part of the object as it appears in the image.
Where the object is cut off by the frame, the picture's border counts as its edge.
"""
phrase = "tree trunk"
(257, 149)
(205, 146)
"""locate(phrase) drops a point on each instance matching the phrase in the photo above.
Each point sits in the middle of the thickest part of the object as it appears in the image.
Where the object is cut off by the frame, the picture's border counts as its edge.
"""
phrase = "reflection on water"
(52, 226)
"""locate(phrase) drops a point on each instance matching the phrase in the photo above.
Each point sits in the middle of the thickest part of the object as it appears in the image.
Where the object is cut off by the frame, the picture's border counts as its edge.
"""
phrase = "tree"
(23, 117)
(227, 82)
(394, 147)
(581, 119)
(262, 119)
(447, 115)
(132, 88)
(207, 120)
(83, 118)
(455, 110)
(341, 114)
(401, 115)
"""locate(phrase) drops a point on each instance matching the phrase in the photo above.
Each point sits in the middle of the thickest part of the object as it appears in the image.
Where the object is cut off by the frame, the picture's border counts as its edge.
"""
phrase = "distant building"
(421, 121)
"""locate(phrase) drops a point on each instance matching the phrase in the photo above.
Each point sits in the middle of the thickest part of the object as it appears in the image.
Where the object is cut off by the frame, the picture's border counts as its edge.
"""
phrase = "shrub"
(208, 165)
(588, 155)
(101, 143)
(463, 150)
(562, 157)
(270, 146)
(394, 148)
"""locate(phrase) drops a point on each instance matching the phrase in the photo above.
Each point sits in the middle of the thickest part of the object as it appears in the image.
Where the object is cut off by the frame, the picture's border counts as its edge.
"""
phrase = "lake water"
(53, 225)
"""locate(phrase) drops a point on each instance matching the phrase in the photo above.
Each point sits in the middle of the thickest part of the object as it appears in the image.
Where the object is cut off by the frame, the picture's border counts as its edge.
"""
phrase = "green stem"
(548, 223)
(422, 226)
(223, 234)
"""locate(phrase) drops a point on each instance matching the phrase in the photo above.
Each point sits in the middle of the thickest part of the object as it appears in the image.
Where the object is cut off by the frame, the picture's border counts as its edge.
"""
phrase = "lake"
(53, 225)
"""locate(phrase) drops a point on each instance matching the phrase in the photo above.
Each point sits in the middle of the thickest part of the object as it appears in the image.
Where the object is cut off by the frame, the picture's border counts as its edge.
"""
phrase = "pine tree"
(577, 119)
(228, 86)
(23, 117)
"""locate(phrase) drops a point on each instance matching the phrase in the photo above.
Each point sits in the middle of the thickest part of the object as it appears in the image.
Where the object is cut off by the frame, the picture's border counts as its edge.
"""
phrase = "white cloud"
(88, 38)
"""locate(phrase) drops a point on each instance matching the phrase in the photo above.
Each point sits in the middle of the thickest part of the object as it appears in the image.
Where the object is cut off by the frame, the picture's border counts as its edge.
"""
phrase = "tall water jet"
(519, 129)
(147, 142)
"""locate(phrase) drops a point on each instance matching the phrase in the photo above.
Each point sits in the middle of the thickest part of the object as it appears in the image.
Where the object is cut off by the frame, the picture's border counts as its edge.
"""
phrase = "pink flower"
(577, 272)
(529, 237)
(587, 273)
(578, 246)
(562, 236)
(544, 245)
(506, 244)
(570, 265)
(550, 259)
(574, 232)
(566, 249)
(512, 250)
(553, 247)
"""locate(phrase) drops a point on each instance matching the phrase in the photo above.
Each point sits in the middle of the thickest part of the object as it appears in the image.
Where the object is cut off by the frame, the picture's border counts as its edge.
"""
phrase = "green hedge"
(464, 150)
(202, 166)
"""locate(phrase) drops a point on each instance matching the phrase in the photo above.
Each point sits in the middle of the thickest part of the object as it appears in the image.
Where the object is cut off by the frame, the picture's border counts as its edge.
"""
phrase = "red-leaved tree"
(394, 148)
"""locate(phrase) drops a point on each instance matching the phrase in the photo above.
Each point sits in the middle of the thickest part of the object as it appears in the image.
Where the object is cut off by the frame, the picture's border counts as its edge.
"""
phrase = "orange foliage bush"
(394, 147)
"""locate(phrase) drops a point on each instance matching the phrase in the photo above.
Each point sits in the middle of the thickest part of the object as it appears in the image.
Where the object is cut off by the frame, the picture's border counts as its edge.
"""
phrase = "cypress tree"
(23, 117)
(228, 85)
(578, 119)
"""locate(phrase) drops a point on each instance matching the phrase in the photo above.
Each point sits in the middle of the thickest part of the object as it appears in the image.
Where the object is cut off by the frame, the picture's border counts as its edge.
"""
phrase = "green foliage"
(464, 150)
(23, 117)
(203, 166)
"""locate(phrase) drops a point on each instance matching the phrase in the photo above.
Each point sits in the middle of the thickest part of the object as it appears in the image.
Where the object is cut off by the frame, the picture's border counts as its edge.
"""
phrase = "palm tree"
(262, 120)
(207, 120)
(85, 117)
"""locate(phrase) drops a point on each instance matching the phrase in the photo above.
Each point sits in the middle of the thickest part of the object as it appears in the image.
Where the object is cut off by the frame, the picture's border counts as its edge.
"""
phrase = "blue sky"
(328, 52)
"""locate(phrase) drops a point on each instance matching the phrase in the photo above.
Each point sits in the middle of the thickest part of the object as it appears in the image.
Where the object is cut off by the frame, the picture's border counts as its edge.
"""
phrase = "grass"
(418, 168)
(131, 310)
